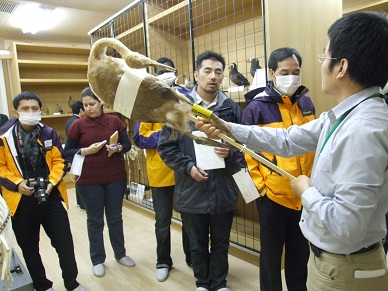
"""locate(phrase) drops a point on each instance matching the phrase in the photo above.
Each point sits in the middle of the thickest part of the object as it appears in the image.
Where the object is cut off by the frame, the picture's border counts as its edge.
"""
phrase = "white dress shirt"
(344, 209)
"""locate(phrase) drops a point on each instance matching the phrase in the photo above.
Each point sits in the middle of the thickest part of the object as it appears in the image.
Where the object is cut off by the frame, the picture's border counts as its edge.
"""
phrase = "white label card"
(245, 184)
(206, 158)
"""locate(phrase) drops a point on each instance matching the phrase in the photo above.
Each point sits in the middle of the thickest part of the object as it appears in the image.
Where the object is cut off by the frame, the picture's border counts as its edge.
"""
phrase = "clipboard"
(113, 140)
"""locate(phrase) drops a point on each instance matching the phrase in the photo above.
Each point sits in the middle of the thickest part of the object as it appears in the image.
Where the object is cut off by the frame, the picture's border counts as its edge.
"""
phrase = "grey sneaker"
(80, 288)
(126, 261)
(162, 274)
(99, 270)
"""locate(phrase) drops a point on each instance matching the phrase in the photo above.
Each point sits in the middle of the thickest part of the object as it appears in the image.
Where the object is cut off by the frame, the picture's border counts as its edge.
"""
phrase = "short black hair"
(209, 55)
(362, 39)
(77, 106)
(165, 61)
(281, 54)
(25, 95)
(87, 92)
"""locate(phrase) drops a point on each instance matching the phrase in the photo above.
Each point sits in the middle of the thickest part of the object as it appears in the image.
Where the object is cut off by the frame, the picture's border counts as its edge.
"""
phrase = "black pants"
(279, 226)
(53, 217)
(210, 263)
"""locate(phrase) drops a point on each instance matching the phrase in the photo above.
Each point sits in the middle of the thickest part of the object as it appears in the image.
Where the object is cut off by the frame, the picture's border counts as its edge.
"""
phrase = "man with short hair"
(345, 201)
(32, 167)
(206, 199)
(281, 104)
(78, 111)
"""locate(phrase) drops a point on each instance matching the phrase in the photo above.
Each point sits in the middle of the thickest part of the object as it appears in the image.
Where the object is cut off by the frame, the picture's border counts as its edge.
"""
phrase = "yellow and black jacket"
(266, 107)
(11, 173)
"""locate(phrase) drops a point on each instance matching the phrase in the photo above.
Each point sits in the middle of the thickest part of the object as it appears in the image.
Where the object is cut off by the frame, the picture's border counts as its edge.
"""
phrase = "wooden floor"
(141, 246)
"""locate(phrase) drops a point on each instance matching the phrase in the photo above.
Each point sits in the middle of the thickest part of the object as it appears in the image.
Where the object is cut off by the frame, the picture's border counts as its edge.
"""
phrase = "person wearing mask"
(32, 167)
(103, 181)
(345, 200)
(161, 180)
(206, 199)
(281, 104)
(78, 112)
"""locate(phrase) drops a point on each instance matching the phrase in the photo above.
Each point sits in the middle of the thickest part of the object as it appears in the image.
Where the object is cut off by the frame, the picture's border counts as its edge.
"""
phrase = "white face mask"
(288, 84)
(29, 118)
(169, 78)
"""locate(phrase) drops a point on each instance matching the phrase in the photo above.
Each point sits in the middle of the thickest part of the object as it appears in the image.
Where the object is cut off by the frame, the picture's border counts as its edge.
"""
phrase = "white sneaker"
(80, 288)
(50, 289)
(99, 270)
(201, 289)
(162, 274)
(127, 261)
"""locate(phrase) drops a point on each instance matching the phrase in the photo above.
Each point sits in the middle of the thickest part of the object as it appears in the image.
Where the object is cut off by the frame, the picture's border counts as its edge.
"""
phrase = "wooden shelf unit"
(54, 73)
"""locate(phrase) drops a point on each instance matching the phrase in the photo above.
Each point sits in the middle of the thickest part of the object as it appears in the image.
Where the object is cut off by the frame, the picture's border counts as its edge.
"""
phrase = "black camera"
(40, 186)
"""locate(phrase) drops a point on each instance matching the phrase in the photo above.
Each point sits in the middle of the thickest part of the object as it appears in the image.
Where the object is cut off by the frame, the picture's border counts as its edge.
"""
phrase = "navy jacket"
(219, 193)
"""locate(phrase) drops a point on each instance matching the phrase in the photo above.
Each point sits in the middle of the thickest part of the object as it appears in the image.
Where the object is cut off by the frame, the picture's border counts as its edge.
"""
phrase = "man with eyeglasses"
(345, 201)
(281, 104)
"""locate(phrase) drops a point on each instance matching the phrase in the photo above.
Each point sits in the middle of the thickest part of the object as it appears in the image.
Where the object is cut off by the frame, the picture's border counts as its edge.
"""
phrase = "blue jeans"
(97, 198)
(162, 198)
(210, 267)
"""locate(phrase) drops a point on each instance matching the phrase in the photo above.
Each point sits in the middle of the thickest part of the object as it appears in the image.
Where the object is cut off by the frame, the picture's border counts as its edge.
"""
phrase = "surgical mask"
(169, 78)
(288, 84)
(29, 118)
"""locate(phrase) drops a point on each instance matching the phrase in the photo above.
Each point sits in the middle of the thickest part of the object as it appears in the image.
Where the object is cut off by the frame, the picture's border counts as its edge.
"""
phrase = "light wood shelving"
(54, 73)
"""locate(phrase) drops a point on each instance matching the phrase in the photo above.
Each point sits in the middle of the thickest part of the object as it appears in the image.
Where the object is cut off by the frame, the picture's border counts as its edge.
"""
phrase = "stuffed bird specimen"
(70, 102)
(236, 77)
(188, 83)
(59, 108)
(155, 101)
(255, 65)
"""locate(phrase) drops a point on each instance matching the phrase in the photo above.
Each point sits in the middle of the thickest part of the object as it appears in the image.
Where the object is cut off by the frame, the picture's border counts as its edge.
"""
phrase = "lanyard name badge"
(342, 117)
(76, 165)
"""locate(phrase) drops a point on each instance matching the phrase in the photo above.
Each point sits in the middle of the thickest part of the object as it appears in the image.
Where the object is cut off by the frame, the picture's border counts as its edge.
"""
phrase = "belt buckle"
(316, 251)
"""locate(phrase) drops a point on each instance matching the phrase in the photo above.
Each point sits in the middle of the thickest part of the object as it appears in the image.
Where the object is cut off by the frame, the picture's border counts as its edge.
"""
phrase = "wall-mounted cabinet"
(55, 73)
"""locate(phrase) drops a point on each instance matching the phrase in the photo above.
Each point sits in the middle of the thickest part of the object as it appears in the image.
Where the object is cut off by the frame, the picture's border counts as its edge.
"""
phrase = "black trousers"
(279, 226)
(53, 217)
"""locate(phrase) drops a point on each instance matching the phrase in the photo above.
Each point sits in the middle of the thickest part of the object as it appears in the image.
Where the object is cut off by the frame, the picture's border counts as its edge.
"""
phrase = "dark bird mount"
(255, 65)
(70, 102)
(236, 77)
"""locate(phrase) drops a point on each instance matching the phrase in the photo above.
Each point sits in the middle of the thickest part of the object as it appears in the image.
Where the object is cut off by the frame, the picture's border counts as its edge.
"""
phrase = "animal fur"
(155, 102)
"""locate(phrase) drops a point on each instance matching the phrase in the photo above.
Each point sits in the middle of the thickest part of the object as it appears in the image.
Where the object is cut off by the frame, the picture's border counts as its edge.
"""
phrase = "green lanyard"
(342, 117)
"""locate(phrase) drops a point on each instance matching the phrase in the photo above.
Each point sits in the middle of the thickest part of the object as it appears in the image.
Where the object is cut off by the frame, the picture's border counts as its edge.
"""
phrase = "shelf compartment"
(52, 81)
(51, 64)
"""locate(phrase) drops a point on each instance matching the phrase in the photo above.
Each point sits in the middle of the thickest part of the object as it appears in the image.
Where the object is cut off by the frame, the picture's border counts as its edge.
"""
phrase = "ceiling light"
(32, 18)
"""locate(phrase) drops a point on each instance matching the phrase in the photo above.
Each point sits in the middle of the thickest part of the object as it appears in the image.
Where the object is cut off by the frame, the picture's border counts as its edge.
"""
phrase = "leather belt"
(317, 251)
